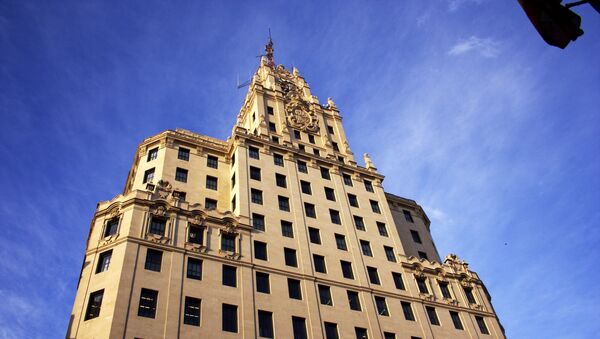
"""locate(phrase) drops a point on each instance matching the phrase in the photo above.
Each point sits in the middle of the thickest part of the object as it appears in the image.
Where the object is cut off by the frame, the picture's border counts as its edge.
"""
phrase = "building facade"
(276, 232)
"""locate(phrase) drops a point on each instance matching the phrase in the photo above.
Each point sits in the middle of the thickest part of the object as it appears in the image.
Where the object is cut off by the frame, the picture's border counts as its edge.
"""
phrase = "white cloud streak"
(485, 47)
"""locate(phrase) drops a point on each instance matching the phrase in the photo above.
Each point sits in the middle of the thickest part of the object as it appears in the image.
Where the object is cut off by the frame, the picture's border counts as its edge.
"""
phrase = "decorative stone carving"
(163, 189)
(159, 210)
(159, 239)
(196, 247)
(331, 104)
(299, 113)
(369, 163)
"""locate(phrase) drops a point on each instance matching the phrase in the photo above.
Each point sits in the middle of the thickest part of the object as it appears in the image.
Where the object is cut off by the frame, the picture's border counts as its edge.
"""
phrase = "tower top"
(269, 52)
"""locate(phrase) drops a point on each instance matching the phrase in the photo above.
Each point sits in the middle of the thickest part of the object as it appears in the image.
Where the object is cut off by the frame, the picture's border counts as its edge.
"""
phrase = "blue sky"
(460, 104)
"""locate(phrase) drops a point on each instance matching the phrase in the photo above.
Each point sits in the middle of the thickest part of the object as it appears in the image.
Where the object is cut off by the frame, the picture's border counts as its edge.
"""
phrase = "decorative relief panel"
(300, 114)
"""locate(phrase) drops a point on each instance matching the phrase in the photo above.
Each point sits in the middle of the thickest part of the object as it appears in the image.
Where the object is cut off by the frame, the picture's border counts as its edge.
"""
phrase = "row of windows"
(254, 153)
(184, 154)
(192, 313)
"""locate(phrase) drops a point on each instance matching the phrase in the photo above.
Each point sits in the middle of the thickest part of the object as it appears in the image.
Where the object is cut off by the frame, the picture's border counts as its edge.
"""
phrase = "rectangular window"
(340, 158)
(325, 295)
(196, 234)
(284, 203)
(354, 301)
(432, 314)
(314, 235)
(152, 154)
(302, 148)
(407, 310)
(194, 269)
(275, 139)
(335, 146)
(366, 248)
(233, 203)
(445, 289)
(299, 328)
(415, 236)
(158, 225)
(408, 216)
(422, 255)
(361, 333)
(228, 242)
(229, 276)
(331, 331)
(456, 320)
(297, 135)
(258, 221)
(329, 194)
(262, 283)
(353, 200)
(382, 306)
(269, 110)
(104, 261)
(278, 159)
(389, 253)
(311, 138)
(347, 269)
(347, 179)
(287, 230)
(375, 206)
(260, 250)
(233, 181)
(359, 223)
(253, 152)
(389, 335)
(482, 326)
(319, 263)
(330, 129)
(191, 311)
(272, 127)
(470, 296)
(340, 242)
(302, 166)
(305, 185)
(183, 154)
(256, 196)
(309, 210)
(211, 182)
(94, 305)
(422, 285)
(254, 173)
(181, 174)
(179, 195)
(325, 173)
(229, 318)
(111, 227)
(290, 257)
(148, 300)
(398, 282)
(280, 180)
(316, 152)
(382, 229)
(212, 161)
(153, 260)
(335, 217)
(294, 289)
(210, 204)
(265, 324)
(373, 275)
(369, 186)
(148, 175)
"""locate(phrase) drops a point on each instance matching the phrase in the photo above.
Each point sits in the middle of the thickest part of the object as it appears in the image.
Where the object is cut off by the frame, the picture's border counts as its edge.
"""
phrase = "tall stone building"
(276, 232)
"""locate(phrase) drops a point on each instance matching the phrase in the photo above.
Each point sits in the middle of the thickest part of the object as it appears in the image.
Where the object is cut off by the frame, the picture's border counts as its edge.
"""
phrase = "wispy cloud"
(454, 5)
(486, 47)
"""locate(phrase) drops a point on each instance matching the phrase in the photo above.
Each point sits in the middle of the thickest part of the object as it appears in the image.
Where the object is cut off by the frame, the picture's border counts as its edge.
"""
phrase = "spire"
(269, 52)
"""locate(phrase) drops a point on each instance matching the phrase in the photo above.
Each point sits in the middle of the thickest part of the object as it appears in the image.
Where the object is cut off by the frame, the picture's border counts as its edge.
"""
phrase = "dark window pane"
(278, 159)
(229, 318)
(382, 229)
(104, 261)
(310, 210)
(262, 283)
(331, 331)
(444, 289)
(422, 285)
(398, 282)
(366, 248)
(181, 174)
(212, 162)
(329, 193)
(94, 305)
(272, 127)
(191, 311)
(347, 269)
(369, 186)
(482, 326)
(361, 333)
(389, 335)
(297, 135)
(325, 173)
(294, 289)
(256, 196)
(347, 179)
(229, 275)
(422, 255)
(340, 242)
(211, 183)
(290, 257)
(228, 242)
(299, 328)
(269, 110)
(311, 138)
(407, 310)
(325, 295)
(330, 129)
(194, 269)
(470, 296)
(254, 173)
(305, 185)
(375, 206)
(260, 250)
(335, 146)
(433, 318)
(253, 152)
(408, 216)
(258, 221)
(359, 223)
(314, 235)
(389, 253)
(373, 276)
(265, 324)
(196, 234)
(111, 227)
(354, 301)
(183, 154)
(280, 180)
(153, 260)
(302, 166)
(416, 237)
(158, 225)
(381, 306)
(148, 175)
(147, 306)
(353, 200)
(152, 154)
(284, 203)
(335, 217)
(286, 229)
(456, 320)
(319, 263)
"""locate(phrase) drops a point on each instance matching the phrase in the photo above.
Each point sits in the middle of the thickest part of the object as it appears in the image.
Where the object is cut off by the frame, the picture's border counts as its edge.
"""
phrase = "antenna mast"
(269, 50)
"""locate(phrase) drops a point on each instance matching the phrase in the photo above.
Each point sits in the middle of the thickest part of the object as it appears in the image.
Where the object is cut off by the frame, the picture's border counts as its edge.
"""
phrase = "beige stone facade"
(312, 244)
